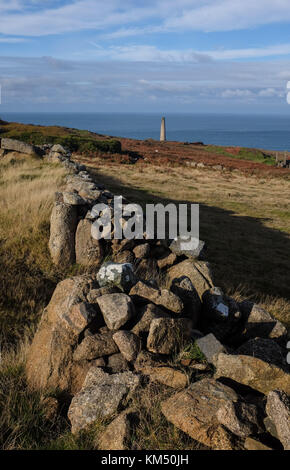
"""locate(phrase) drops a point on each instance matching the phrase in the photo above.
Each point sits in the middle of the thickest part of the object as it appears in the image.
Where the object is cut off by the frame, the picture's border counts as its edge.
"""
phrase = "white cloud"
(12, 5)
(48, 80)
(237, 93)
(272, 92)
(228, 15)
(249, 53)
(146, 53)
(40, 18)
(75, 16)
(152, 53)
(11, 40)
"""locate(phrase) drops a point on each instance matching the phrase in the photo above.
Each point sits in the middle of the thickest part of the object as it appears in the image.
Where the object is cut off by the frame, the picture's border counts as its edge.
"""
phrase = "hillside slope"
(244, 220)
(251, 161)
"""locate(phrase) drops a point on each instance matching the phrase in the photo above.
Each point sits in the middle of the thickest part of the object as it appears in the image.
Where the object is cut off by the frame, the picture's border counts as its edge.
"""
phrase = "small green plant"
(192, 351)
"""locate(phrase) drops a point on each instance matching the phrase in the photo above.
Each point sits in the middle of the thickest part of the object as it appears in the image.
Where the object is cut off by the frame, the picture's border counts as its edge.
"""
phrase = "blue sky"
(146, 56)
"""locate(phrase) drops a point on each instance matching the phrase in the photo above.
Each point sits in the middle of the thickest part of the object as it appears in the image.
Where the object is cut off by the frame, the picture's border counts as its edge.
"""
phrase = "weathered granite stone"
(147, 360)
(59, 149)
(100, 362)
(122, 245)
(265, 349)
(184, 289)
(117, 309)
(118, 433)
(167, 261)
(101, 396)
(94, 294)
(252, 372)
(165, 375)
(146, 267)
(49, 360)
(240, 418)
(142, 251)
(190, 247)
(78, 317)
(194, 410)
(124, 257)
(253, 444)
(210, 347)
(95, 346)
(91, 195)
(144, 317)
(217, 306)
(162, 297)
(56, 157)
(13, 145)
(198, 272)
(63, 223)
(260, 323)
(73, 198)
(89, 251)
(200, 366)
(75, 183)
(278, 410)
(115, 274)
(117, 363)
(167, 335)
(128, 343)
(270, 427)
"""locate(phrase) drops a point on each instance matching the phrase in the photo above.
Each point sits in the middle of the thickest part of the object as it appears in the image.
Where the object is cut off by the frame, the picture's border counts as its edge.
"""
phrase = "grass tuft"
(27, 275)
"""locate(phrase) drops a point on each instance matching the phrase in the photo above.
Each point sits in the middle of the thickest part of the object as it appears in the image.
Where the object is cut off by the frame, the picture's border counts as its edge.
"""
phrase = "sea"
(254, 131)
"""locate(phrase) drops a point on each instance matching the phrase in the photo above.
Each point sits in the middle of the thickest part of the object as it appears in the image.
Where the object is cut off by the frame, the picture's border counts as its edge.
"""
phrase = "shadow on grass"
(242, 251)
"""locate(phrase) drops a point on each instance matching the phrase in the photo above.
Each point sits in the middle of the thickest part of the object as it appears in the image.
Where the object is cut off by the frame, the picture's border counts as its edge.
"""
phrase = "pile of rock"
(105, 334)
(101, 337)
(72, 219)
(194, 164)
(13, 145)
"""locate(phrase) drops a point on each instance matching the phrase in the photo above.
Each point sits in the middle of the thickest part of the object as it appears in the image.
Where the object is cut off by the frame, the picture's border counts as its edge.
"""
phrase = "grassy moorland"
(244, 219)
(243, 154)
(27, 280)
(76, 140)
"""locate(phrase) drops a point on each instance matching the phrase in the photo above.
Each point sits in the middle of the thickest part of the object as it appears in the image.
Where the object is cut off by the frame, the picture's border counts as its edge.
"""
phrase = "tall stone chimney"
(162, 130)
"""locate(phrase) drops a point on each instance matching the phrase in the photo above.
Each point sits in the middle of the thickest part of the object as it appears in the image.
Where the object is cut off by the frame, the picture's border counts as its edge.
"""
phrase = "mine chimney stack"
(162, 130)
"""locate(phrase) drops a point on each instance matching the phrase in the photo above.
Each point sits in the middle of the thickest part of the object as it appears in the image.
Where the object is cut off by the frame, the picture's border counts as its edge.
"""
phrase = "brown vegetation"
(244, 220)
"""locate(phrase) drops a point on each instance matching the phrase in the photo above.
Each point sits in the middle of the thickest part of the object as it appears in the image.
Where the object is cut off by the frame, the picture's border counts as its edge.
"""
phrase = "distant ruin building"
(283, 161)
(162, 130)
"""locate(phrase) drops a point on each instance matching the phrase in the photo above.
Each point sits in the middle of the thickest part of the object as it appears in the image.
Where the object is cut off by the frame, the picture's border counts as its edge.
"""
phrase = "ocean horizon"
(254, 131)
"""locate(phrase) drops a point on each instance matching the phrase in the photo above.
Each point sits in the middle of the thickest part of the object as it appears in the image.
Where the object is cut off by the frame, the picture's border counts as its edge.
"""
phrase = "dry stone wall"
(107, 333)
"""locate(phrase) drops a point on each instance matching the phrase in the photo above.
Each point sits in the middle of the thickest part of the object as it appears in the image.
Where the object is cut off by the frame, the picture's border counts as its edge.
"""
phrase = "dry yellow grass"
(26, 192)
(23, 420)
(268, 199)
(245, 221)
(27, 276)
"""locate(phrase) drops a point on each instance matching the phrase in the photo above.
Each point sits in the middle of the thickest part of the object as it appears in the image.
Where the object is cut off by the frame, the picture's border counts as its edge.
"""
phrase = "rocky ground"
(109, 333)
(199, 155)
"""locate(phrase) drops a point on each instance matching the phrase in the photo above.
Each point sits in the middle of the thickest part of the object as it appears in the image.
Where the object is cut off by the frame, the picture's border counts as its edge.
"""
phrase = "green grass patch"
(252, 155)
(192, 351)
(75, 140)
(256, 156)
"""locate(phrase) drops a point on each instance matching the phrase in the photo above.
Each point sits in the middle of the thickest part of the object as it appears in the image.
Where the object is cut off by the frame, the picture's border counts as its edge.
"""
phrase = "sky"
(182, 56)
